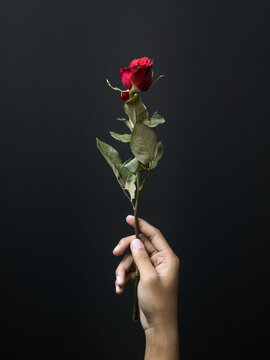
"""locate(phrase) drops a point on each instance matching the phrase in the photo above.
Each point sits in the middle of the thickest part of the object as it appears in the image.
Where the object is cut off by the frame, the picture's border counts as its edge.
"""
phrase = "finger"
(124, 244)
(151, 250)
(142, 260)
(120, 272)
(129, 277)
(152, 233)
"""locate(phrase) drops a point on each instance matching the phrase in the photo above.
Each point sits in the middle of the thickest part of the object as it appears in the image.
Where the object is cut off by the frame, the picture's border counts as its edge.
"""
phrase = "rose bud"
(124, 95)
(139, 73)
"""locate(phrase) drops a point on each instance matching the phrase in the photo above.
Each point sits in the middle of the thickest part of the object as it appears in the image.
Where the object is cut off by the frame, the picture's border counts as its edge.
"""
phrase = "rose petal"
(142, 78)
(125, 74)
(142, 62)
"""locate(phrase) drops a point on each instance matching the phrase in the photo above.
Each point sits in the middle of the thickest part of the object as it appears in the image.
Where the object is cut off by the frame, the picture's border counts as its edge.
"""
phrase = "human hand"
(158, 285)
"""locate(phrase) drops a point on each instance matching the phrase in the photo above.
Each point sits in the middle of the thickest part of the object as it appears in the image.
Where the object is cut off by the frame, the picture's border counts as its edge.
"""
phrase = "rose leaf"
(127, 122)
(111, 155)
(124, 176)
(121, 137)
(132, 165)
(143, 143)
(135, 110)
(131, 188)
(160, 151)
(155, 120)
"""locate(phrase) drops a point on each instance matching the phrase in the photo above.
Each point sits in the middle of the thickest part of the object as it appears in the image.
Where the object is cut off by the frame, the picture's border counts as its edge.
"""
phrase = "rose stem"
(137, 273)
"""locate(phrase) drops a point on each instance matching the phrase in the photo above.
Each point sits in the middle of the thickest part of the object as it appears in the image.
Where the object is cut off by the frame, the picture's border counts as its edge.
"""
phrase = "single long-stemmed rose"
(146, 149)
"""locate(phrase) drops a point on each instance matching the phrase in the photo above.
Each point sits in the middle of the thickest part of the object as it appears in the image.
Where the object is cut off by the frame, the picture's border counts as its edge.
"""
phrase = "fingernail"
(118, 279)
(130, 216)
(117, 288)
(116, 248)
(137, 244)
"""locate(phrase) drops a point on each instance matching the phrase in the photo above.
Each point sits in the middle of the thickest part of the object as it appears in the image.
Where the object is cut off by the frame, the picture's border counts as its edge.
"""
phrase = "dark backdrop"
(62, 211)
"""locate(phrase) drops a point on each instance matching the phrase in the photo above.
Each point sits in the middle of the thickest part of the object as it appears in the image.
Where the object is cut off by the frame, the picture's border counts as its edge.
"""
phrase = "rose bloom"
(139, 72)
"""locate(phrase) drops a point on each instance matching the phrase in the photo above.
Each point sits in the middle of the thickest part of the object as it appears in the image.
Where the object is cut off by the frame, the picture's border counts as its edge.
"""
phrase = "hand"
(158, 285)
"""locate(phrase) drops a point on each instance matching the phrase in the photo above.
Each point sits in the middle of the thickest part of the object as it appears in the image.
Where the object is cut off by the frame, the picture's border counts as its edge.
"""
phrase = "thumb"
(141, 259)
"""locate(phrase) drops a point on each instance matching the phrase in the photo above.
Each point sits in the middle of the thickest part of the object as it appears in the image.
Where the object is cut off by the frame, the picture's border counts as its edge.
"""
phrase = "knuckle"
(156, 230)
(150, 280)
(176, 260)
(117, 270)
(126, 240)
(157, 259)
(122, 241)
(123, 264)
(158, 234)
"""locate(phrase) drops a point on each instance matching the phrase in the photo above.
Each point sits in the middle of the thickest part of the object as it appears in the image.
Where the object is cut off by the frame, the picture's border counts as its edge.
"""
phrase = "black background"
(62, 211)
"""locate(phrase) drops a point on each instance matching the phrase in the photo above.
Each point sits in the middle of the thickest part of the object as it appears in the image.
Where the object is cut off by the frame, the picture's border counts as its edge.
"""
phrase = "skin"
(157, 289)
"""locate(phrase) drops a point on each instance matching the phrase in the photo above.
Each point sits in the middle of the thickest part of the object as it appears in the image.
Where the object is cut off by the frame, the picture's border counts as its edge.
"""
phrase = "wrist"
(164, 333)
(162, 342)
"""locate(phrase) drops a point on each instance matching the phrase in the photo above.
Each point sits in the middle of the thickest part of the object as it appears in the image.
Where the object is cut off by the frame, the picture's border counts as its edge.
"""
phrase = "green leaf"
(124, 163)
(135, 110)
(160, 151)
(127, 181)
(132, 165)
(143, 143)
(121, 137)
(111, 155)
(123, 174)
(155, 120)
(127, 122)
(131, 188)
(126, 175)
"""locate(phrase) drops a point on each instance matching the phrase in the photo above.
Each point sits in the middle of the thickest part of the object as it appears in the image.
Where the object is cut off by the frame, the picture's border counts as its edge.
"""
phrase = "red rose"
(138, 72)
